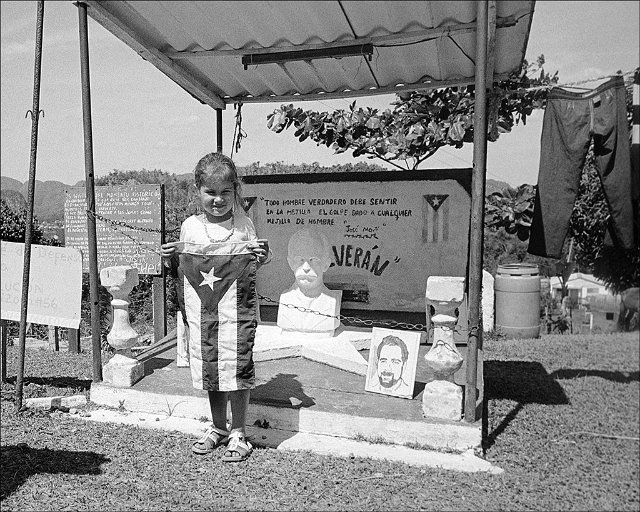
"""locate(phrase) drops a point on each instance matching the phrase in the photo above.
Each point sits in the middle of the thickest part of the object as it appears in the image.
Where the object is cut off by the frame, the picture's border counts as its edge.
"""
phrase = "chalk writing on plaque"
(138, 205)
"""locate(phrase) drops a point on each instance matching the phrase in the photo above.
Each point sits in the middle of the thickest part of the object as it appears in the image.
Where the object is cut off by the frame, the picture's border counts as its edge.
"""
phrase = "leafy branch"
(420, 123)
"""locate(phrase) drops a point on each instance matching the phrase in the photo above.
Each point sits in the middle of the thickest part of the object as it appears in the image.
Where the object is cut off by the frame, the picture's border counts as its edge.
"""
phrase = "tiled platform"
(295, 395)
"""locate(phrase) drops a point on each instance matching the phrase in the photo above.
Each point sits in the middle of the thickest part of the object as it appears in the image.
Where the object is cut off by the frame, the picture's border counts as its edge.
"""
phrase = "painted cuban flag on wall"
(248, 203)
(217, 292)
(435, 226)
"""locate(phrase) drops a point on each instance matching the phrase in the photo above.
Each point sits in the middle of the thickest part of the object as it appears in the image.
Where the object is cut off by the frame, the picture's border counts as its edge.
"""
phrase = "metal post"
(54, 337)
(4, 335)
(159, 286)
(35, 114)
(90, 194)
(477, 211)
(219, 130)
(74, 341)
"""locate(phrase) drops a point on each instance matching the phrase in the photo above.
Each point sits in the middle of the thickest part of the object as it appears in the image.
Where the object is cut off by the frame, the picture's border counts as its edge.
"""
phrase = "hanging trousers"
(571, 120)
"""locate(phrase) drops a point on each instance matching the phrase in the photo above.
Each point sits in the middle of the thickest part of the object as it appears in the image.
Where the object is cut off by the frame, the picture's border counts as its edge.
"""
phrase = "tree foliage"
(305, 168)
(511, 209)
(13, 226)
(420, 122)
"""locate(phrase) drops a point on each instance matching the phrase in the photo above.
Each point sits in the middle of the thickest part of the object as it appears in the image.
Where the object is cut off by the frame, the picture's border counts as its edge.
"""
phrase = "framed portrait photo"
(393, 360)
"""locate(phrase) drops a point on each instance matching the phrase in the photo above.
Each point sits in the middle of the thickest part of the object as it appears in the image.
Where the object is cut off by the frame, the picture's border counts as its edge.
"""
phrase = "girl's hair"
(222, 167)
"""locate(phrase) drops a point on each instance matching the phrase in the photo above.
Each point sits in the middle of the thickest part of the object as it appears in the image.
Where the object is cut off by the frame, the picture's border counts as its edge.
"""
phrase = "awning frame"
(483, 79)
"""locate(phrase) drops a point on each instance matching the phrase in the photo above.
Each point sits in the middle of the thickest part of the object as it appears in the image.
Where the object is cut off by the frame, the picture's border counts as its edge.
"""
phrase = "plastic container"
(517, 289)
(545, 287)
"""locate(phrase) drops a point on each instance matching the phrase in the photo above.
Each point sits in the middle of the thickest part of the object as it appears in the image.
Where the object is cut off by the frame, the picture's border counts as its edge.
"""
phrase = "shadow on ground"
(621, 377)
(156, 363)
(524, 382)
(528, 382)
(284, 391)
(19, 462)
(56, 382)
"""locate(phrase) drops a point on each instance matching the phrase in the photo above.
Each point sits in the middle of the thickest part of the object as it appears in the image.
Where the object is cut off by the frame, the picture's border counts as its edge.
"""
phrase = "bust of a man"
(309, 256)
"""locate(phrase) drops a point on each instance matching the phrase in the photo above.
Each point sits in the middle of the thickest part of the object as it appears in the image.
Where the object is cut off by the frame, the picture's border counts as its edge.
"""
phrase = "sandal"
(238, 448)
(212, 438)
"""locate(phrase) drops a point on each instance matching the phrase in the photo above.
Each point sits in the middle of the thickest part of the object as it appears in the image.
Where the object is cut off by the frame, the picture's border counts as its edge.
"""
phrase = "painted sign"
(55, 284)
(119, 210)
(388, 234)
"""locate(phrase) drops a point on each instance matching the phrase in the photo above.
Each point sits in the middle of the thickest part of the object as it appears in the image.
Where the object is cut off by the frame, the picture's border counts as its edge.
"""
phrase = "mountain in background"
(49, 195)
(48, 201)
(495, 186)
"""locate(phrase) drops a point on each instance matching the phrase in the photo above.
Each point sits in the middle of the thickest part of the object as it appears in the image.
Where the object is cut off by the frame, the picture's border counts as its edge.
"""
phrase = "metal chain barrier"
(116, 224)
(129, 226)
(351, 319)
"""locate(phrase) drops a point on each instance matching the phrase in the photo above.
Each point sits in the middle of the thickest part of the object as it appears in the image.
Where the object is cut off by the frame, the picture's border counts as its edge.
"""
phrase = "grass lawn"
(562, 419)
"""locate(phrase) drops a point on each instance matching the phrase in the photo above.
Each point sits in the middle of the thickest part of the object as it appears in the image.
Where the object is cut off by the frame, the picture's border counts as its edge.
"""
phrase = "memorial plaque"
(119, 210)
(389, 231)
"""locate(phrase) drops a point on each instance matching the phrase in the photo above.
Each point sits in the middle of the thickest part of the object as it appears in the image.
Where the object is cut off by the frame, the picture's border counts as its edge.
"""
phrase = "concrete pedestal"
(442, 399)
(122, 371)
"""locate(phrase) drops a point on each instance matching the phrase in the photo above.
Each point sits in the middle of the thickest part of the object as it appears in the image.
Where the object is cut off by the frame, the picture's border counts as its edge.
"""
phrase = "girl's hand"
(261, 252)
(167, 251)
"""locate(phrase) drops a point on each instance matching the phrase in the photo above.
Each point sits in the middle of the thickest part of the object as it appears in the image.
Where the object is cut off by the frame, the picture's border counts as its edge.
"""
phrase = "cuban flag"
(435, 227)
(218, 296)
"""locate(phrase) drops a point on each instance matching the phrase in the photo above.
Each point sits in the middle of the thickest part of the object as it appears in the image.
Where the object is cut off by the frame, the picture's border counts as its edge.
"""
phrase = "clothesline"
(570, 84)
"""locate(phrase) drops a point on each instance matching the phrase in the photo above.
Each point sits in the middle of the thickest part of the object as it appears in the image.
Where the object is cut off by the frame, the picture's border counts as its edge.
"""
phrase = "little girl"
(217, 256)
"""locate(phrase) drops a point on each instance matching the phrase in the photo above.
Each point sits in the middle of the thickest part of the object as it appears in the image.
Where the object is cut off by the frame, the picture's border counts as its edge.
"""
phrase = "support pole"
(477, 211)
(219, 130)
(90, 193)
(74, 340)
(159, 286)
(35, 114)
(4, 336)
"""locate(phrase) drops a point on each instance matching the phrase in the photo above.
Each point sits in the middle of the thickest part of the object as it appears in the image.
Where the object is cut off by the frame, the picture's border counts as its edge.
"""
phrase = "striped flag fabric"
(218, 295)
(435, 226)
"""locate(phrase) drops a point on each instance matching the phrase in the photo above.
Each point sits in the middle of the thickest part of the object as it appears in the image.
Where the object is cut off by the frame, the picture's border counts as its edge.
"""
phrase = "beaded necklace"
(213, 240)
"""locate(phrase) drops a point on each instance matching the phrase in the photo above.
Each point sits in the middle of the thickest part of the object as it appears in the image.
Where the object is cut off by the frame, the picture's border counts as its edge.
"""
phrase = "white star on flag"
(208, 278)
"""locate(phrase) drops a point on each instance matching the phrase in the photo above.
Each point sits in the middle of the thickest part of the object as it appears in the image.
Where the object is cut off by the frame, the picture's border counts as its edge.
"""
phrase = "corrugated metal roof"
(416, 44)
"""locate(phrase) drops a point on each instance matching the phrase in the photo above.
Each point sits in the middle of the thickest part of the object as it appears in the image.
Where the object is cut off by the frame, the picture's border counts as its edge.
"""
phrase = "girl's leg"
(218, 435)
(218, 404)
(238, 448)
(239, 406)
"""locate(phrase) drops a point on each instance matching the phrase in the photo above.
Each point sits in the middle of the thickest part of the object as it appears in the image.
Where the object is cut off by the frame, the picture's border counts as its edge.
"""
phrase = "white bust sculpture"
(309, 256)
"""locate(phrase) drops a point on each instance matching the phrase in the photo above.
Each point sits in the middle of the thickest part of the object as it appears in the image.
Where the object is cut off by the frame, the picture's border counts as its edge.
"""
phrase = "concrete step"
(281, 439)
(435, 434)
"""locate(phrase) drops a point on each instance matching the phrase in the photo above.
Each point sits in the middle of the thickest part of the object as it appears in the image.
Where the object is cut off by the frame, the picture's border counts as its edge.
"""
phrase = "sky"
(142, 119)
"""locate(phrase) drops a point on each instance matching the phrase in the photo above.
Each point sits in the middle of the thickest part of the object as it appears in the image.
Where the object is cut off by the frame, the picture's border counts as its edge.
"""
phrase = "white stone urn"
(120, 281)
(122, 370)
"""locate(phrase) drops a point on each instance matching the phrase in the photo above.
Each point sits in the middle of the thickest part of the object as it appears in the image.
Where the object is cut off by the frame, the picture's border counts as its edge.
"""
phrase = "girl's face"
(216, 197)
